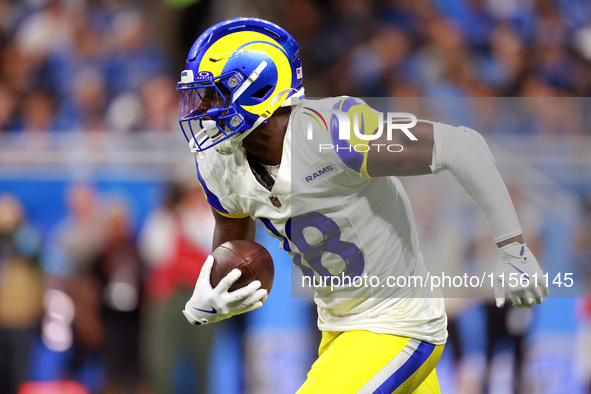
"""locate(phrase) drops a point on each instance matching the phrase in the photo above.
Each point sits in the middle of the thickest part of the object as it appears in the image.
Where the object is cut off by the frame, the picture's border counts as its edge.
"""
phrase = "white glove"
(519, 273)
(209, 305)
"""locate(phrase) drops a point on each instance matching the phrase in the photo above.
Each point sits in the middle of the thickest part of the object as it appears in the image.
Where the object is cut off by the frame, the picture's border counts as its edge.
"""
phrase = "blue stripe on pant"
(416, 360)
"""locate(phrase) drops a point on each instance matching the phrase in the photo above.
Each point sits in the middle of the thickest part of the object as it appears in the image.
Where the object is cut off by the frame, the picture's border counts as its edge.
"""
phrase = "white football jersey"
(337, 223)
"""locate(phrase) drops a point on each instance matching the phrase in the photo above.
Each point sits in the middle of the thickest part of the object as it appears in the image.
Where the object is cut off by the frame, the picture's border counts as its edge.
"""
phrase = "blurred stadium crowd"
(111, 65)
(444, 48)
(82, 66)
(96, 290)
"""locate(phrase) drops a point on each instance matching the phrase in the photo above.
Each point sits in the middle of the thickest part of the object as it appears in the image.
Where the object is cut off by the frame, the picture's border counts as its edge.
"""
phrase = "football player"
(264, 152)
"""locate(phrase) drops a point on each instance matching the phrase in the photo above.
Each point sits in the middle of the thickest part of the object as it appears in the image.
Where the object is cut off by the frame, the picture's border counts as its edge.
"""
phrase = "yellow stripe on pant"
(366, 362)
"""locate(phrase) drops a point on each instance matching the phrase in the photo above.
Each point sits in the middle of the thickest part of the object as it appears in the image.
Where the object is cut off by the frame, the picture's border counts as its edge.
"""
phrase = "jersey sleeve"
(220, 199)
(354, 114)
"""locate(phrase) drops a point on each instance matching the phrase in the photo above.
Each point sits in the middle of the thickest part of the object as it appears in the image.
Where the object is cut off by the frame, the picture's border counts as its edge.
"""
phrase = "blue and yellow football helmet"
(238, 73)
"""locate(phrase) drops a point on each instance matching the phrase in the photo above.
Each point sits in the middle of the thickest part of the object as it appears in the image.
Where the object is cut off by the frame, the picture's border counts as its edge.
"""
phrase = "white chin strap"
(230, 145)
(209, 128)
(227, 146)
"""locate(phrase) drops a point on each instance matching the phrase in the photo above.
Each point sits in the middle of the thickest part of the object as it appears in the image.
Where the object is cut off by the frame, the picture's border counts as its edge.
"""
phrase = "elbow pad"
(464, 153)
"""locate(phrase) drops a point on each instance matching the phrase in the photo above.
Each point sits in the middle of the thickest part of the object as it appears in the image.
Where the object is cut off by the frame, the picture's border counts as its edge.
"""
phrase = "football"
(251, 258)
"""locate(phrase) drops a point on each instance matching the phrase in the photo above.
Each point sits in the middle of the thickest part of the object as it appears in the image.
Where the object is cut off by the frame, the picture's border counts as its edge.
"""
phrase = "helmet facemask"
(206, 115)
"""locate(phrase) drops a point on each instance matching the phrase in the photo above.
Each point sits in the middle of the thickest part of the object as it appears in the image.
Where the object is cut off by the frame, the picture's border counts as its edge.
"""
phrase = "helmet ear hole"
(262, 92)
(273, 34)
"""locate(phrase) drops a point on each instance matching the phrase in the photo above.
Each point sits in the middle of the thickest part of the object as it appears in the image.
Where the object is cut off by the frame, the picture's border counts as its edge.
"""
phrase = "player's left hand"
(519, 276)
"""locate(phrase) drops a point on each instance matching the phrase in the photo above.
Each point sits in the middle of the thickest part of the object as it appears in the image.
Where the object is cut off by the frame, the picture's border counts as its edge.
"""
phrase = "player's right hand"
(519, 276)
(209, 305)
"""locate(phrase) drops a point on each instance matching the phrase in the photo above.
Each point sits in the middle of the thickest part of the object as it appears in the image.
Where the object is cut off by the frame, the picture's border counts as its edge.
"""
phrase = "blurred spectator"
(124, 113)
(133, 59)
(582, 240)
(89, 101)
(507, 327)
(119, 270)
(41, 31)
(503, 65)
(69, 256)
(38, 112)
(20, 293)
(155, 108)
(77, 238)
(583, 357)
(582, 250)
(160, 103)
(8, 108)
(175, 241)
